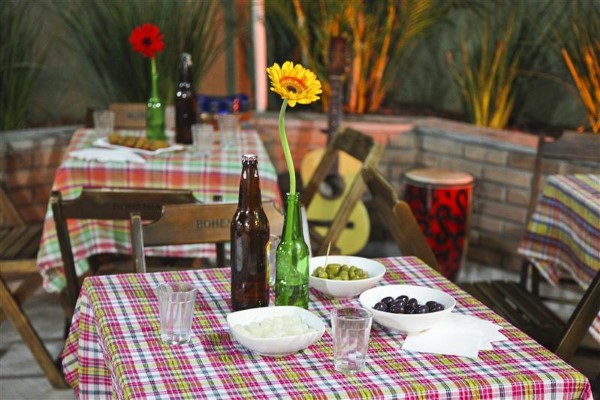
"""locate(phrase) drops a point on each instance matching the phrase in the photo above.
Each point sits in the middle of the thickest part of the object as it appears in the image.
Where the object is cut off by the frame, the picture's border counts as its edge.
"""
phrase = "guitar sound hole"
(332, 186)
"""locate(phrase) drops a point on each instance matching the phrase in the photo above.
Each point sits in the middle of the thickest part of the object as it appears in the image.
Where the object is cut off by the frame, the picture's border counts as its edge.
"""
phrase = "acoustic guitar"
(332, 193)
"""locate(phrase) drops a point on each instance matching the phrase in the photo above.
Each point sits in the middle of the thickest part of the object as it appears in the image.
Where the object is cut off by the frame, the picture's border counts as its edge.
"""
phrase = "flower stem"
(154, 78)
(290, 165)
(286, 148)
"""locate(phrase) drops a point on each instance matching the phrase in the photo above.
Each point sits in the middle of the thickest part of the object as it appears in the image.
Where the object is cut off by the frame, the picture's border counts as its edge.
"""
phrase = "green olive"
(340, 272)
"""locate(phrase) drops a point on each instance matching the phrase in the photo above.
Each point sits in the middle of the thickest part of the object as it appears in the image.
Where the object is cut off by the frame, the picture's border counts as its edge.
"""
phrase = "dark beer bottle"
(249, 240)
(185, 102)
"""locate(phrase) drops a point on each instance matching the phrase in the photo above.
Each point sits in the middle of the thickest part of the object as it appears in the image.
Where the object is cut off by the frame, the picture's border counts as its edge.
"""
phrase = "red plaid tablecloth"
(563, 236)
(114, 349)
(219, 173)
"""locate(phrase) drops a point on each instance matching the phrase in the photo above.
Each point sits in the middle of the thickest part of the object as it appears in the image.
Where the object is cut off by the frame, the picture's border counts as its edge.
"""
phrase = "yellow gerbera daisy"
(294, 83)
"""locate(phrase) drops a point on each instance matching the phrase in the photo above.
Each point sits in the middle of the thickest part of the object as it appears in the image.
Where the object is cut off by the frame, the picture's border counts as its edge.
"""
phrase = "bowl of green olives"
(407, 308)
(344, 276)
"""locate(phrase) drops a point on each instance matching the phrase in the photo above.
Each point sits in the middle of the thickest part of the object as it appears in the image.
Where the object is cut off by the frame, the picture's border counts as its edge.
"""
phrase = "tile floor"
(21, 378)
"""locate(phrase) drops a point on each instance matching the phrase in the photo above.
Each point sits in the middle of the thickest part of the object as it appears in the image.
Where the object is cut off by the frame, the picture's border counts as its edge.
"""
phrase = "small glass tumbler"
(351, 330)
(229, 127)
(176, 305)
(272, 251)
(202, 135)
(104, 123)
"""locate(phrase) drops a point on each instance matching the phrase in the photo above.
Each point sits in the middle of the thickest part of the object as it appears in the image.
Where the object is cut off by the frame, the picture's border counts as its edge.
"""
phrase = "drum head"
(439, 177)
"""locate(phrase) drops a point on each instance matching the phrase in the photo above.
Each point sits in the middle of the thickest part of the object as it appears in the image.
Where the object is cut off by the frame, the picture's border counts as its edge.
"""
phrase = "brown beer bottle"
(185, 102)
(249, 240)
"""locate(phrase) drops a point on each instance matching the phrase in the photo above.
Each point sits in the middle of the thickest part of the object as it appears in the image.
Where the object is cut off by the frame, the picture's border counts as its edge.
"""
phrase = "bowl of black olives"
(344, 276)
(407, 308)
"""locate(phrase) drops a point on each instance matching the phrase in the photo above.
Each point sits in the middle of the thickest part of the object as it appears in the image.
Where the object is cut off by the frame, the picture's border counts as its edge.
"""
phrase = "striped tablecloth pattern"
(114, 349)
(219, 173)
(563, 236)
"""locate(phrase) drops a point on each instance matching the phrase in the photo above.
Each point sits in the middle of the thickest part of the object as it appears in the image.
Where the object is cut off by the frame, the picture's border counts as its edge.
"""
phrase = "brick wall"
(501, 161)
(28, 162)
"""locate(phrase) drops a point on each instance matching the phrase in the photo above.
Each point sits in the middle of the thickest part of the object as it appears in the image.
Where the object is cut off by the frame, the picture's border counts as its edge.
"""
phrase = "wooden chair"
(520, 302)
(399, 219)
(105, 204)
(190, 224)
(364, 149)
(19, 243)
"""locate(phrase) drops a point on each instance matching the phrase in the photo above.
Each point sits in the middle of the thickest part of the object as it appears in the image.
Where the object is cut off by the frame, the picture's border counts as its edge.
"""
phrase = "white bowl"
(279, 346)
(336, 288)
(408, 322)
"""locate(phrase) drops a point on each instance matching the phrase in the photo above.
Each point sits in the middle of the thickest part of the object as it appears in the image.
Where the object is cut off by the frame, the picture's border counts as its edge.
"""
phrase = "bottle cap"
(249, 157)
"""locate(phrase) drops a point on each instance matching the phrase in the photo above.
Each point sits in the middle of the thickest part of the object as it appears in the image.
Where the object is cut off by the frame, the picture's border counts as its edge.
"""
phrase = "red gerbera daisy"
(147, 39)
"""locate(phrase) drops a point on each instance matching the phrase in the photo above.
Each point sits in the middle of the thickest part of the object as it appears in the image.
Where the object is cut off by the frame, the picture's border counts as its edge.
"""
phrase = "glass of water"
(176, 305)
(351, 330)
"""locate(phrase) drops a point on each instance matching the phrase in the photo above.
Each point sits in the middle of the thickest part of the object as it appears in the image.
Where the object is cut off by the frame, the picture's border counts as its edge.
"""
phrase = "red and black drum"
(441, 202)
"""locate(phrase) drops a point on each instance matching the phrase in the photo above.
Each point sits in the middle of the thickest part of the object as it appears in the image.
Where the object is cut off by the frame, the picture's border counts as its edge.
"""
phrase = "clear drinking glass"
(229, 127)
(351, 330)
(104, 123)
(202, 135)
(273, 243)
(176, 305)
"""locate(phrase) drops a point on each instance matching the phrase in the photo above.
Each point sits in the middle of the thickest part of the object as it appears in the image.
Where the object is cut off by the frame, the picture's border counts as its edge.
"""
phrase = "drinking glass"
(104, 123)
(202, 135)
(229, 127)
(351, 330)
(272, 251)
(176, 305)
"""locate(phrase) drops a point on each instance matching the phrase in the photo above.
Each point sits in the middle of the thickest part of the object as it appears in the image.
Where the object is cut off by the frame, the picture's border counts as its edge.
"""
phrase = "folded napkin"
(459, 335)
(104, 155)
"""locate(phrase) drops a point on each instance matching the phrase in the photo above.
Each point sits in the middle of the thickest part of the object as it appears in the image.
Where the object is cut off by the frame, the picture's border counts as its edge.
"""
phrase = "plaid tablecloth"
(219, 173)
(563, 236)
(114, 349)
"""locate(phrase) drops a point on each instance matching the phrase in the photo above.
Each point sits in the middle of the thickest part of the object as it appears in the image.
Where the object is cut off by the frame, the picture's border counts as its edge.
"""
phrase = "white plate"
(342, 289)
(103, 142)
(275, 347)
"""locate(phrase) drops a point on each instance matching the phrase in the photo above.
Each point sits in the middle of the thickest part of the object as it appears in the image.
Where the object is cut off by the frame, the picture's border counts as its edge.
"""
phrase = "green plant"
(499, 58)
(582, 58)
(380, 35)
(22, 56)
(98, 33)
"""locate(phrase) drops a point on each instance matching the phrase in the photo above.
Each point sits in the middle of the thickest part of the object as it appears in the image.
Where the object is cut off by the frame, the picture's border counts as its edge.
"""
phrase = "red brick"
(19, 161)
(31, 178)
(50, 157)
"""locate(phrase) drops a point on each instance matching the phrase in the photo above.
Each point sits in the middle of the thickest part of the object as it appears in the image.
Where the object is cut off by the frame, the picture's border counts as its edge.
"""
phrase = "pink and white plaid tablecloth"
(563, 236)
(114, 350)
(219, 173)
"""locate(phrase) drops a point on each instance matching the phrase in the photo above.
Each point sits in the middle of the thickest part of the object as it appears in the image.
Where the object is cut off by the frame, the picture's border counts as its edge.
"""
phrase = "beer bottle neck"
(250, 196)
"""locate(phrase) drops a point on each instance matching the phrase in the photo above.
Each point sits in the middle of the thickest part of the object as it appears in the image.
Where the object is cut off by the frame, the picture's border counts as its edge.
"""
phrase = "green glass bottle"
(291, 259)
(155, 111)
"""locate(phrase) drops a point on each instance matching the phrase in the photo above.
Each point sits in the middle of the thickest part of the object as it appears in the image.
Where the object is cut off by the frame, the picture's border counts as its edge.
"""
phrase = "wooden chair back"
(365, 150)
(105, 204)
(397, 216)
(19, 244)
(191, 224)
(129, 115)
(587, 309)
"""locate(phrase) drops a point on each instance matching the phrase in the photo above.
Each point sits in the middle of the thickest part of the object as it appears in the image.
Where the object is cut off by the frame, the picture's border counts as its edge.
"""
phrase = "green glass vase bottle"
(291, 259)
(155, 111)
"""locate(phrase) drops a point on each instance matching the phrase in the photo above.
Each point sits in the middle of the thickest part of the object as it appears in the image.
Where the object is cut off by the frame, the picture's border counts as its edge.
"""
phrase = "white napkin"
(459, 335)
(103, 155)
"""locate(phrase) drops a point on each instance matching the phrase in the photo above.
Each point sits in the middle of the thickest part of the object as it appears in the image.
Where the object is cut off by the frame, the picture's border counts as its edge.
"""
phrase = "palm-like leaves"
(582, 57)
(21, 59)
(379, 33)
(98, 33)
